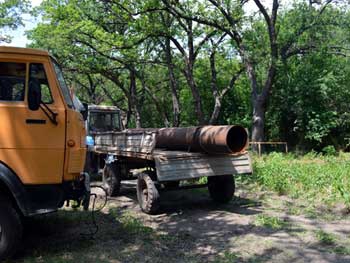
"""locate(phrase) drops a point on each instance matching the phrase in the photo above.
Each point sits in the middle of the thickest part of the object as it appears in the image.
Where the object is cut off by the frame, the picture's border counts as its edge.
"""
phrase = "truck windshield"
(104, 121)
(63, 85)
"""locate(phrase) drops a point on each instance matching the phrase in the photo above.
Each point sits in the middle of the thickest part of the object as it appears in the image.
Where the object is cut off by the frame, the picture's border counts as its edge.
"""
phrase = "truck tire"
(147, 194)
(10, 229)
(221, 188)
(111, 179)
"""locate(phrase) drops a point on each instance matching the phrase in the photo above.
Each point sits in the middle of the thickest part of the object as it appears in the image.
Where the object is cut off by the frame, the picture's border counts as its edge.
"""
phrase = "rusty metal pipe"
(210, 139)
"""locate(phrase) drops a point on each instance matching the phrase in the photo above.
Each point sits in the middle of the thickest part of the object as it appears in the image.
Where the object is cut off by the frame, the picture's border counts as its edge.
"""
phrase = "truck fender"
(13, 184)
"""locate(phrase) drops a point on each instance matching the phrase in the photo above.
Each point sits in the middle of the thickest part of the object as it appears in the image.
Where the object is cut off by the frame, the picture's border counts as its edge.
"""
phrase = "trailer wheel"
(111, 179)
(10, 229)
(147, 194)
(221, 188)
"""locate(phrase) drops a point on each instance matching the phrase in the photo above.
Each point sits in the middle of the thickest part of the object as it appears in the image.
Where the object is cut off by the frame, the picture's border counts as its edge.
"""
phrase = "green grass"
(319, 179)
(133, 225)
(331, 243)
(270, 222)
(228, 257)
(325, 238)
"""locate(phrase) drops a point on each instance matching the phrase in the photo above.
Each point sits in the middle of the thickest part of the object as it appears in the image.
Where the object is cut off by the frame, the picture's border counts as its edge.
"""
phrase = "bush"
(329, 150)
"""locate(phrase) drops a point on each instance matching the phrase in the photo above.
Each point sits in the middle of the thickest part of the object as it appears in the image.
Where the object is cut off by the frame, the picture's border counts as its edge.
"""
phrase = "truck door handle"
(35, 121)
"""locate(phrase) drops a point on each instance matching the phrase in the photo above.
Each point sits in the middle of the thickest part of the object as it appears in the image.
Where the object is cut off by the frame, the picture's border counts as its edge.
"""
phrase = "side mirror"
(34, 95)
(85, 111)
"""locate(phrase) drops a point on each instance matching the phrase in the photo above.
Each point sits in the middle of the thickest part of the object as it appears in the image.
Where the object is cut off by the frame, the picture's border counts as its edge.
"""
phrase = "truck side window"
(37, 72)
(12, 81)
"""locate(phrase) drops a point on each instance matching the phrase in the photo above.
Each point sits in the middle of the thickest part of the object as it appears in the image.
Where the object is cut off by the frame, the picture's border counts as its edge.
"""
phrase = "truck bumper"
(43, 199)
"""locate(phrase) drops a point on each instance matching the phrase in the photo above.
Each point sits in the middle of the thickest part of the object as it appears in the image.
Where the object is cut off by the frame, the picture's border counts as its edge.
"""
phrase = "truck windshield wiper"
(48, 112)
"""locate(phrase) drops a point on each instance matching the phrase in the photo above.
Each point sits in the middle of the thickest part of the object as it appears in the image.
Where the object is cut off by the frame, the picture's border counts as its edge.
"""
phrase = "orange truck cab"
(42, 142)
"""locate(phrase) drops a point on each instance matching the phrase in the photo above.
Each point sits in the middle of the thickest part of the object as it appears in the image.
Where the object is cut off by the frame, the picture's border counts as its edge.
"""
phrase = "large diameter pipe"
(210, 139)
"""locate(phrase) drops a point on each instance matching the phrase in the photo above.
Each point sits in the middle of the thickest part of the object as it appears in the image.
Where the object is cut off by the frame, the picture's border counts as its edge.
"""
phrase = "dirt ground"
(257, 226)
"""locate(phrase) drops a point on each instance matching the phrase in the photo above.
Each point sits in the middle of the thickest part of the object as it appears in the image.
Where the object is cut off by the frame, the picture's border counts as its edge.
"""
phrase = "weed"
(325, 238)
(133, 225)
(228, 257)
(342, 250)
(270, 222)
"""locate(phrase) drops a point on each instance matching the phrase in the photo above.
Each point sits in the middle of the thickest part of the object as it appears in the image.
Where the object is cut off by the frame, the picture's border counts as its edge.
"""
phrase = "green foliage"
(10, 16)
(330, 150)
(319, 179)
(99, 44)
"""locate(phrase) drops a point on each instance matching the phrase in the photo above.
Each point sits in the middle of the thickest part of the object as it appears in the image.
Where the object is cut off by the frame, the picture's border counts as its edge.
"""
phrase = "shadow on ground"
(189, 228)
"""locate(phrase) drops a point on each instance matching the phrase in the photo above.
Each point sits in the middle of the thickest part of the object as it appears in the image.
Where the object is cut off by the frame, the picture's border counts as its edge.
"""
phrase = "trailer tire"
(147, 194)
(10, 229)
(221, 188)
(111, 179)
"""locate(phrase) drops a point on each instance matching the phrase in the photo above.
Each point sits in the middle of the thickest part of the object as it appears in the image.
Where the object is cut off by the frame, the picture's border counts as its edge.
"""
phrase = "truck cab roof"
(25, 51)
(103, 108)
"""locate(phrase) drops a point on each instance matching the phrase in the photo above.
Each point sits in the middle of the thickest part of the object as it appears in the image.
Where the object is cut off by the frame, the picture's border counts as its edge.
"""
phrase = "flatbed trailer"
(161, 169)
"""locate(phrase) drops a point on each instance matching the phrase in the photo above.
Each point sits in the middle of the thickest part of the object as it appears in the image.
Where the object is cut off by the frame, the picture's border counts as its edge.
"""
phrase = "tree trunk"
(128, 114)
(190, 76)
(134, 101)
(216, 112)
(258, 132)
(158, 105)
(217, 98)
(173, 84)
(197, 101)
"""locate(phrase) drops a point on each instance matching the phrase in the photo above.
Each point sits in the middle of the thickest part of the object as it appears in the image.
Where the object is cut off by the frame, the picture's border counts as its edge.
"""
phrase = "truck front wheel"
(147, 194)
(10, 229)
(111, 179)
(221, 188)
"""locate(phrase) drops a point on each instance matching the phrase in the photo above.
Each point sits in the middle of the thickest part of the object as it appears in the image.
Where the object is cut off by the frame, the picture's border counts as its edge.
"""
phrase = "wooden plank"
(178, 154)
(183, 169)
(124, 142)
(198, 165)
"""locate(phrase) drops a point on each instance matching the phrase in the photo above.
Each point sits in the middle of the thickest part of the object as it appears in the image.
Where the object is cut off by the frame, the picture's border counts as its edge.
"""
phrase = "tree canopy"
(10, 16)
(281, 69)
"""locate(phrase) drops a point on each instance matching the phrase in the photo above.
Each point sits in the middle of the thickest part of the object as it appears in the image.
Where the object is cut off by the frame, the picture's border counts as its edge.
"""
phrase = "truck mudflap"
(178, 165)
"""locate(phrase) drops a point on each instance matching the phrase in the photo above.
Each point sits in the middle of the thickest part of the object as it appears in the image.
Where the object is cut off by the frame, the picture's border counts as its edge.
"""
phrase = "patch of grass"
(331, 243)
(341, 250)
(228, 257)
(320, 179)
(271, 222)
(293, 210)
(325, 238)
(133, 225)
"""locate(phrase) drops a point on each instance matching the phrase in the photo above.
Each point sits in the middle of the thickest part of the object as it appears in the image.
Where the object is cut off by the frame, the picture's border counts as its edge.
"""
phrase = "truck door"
(75, 132)
(31, 143)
